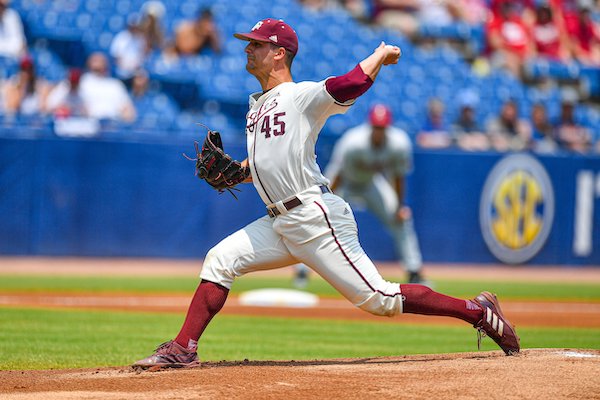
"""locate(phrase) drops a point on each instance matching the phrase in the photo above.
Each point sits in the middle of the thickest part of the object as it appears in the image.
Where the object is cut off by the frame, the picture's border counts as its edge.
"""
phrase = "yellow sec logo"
(516, 210)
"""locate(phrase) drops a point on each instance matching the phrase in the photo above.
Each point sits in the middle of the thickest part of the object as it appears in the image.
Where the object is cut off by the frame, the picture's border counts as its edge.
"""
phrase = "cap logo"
(273, 38)
(257, 26)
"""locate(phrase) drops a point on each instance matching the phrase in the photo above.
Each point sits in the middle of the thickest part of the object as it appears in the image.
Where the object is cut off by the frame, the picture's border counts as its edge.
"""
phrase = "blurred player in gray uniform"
(304, 221)
(368, 169)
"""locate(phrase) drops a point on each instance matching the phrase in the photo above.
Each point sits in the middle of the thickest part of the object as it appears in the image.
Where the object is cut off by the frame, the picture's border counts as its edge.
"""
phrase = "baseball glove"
(216, 167)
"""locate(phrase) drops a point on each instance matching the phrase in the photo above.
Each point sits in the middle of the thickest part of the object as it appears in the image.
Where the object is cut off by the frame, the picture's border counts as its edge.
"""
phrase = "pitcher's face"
(259, 56)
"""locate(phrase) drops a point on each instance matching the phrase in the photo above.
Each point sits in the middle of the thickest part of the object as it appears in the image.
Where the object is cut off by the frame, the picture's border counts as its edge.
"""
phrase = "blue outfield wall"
(447, 191)
(117, 198)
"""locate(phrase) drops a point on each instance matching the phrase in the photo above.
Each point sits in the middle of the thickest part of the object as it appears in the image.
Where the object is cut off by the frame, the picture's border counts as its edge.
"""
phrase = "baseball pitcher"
(304, 221)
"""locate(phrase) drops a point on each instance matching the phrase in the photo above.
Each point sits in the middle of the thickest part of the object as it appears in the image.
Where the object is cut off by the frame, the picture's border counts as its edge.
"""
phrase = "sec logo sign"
(516, 210)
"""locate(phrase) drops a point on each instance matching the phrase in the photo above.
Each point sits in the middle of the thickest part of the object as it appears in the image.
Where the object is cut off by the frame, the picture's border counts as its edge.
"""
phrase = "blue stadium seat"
(591, 81)
(543, 68)
(156, 111)
(187, 125)
(48, 64)
(124, 7)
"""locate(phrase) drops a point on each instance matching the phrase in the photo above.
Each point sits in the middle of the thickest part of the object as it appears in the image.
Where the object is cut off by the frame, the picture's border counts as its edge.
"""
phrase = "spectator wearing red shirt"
(551, 42)
(586, 39)
(525, 8)
(573, 17)
(509, 40)
(567, 14)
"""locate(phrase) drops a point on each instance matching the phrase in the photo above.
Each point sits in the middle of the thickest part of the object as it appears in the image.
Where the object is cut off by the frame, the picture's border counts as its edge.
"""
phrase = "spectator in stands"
(155, 109)
(64, 99)
(435, 132)
(570, 134)
(586, 38)
(542, 131)
(193, 37)
(440, 12)
(551, 42)
(319, 5)
(525, 8)
(128, 49)
(359, 9)
(509, 40)
(142, 94)
(469, 135)
(474, 12)
(140, 85)
(567, 16)
(400, 15)
(152, 14)
(507, 131)
(12, 39)
(104, 97)
(26, 93)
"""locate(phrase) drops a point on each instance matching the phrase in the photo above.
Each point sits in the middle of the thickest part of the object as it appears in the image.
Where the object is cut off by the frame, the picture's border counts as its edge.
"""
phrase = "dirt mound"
(535, 373)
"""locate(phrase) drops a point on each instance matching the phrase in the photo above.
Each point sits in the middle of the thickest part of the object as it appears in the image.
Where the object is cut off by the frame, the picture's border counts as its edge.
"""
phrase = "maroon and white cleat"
(169, 355)
(495, 325)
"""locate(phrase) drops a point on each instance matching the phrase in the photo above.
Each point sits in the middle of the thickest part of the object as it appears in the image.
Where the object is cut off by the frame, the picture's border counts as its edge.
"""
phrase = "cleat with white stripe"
(495, 325)
(169, 355)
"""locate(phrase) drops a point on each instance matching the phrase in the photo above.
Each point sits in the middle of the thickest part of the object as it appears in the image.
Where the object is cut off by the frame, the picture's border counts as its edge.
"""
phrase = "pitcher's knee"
(382, 305)
(218, 268)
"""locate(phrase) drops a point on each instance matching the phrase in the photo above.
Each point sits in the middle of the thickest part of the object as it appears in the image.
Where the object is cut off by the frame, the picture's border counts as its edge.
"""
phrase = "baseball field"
(70, 328)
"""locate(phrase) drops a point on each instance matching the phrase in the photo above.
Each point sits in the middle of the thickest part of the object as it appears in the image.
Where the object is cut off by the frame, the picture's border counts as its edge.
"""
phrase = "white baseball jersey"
(282, 129)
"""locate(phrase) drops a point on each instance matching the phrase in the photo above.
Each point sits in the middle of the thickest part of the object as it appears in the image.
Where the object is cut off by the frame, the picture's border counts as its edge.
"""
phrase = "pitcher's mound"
(534, 374)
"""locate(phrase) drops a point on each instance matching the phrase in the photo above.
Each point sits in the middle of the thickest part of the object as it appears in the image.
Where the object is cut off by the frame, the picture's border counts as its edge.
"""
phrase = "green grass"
(458, 288)
(44, 339)
(41, 339)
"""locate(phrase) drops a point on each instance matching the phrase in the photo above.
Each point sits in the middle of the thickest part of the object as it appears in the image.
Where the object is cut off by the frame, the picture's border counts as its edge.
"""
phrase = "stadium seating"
(214, 88)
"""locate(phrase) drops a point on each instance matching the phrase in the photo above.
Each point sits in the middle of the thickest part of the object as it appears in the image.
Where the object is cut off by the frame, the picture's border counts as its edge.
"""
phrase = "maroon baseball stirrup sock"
(206, 303)
(420, 299)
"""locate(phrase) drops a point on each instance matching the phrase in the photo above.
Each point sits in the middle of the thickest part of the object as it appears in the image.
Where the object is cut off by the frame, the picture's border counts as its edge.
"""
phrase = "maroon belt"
(292, 203)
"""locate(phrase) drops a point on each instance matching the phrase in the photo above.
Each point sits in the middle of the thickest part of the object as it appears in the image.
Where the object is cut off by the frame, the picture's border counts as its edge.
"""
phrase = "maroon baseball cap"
(274, 31)
(380, 115)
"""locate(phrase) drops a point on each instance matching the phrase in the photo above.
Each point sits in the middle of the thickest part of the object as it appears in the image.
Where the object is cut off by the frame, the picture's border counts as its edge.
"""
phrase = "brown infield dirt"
(533, 374)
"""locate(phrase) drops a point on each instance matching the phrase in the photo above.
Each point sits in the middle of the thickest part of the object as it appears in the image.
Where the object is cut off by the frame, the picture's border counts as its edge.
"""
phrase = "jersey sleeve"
(313, 100)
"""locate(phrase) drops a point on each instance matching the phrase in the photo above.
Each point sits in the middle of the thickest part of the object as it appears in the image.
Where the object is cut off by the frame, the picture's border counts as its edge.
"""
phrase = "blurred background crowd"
(478, 75)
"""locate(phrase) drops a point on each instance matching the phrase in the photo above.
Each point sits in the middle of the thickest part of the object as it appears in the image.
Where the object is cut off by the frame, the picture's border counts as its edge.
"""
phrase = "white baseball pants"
(320, 233)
